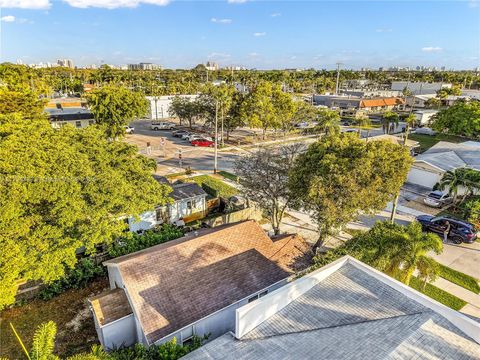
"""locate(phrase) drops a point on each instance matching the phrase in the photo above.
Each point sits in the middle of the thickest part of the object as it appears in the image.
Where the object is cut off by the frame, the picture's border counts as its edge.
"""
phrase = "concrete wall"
(80, 125)
(180, 209)
(218, 323)
(423, 177)
(147, 221)
(160, 105)
(250, 213)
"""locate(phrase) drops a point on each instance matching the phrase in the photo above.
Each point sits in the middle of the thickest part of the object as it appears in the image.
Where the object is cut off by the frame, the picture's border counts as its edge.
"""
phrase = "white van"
(162, 125)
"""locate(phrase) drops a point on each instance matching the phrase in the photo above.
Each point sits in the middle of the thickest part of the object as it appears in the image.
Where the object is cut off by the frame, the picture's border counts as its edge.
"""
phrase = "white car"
(437, 199)
(192, 137)
(162, 125)
(129, 129)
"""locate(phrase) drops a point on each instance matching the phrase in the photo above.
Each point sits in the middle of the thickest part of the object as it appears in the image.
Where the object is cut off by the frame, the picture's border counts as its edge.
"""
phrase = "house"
(430, 166)
(189, 203)
(346, 310)
(381, 104)
(358, 103)
(193, 285)
(419, 101)
(424, 117)
(79, 117)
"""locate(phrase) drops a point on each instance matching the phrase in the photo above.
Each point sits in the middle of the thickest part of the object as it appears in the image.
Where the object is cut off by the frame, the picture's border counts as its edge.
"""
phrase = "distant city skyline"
(251, 34)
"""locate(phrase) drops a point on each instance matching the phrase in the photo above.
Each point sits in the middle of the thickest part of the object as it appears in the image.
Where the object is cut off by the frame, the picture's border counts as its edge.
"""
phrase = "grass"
(169, 176)
(427, 141)
(228, 175)
(438, 294)
(459, 278)
(224, 190)
(76, 330)
(354, 232)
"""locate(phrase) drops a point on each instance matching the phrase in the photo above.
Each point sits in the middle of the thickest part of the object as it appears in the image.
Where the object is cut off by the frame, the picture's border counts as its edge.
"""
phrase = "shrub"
(167, 351)
(76, 278)
(224, 190)
(134, 242)
(210, 190)
(471, 210)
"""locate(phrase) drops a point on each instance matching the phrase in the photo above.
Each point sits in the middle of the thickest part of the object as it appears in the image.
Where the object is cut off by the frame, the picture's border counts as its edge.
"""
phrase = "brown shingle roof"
(177, 283)
(110, 306)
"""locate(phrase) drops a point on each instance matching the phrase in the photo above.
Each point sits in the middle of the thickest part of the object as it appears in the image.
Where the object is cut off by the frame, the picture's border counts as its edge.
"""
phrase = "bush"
(167, 351)
(210, 190)
(228, 175)
(224, 190)
(459, 278)
(76, 278)
(440, 295)
(471, 210)
(134, 242)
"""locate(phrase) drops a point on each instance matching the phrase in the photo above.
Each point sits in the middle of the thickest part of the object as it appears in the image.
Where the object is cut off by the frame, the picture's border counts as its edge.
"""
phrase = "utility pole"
(223, 144)
(338, 77)
(216, 138)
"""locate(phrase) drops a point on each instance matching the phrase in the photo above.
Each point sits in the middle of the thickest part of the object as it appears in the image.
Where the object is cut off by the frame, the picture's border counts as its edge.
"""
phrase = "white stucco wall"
(147, 221)
(119, 333)
(218, 323)
(423, 177)
(180, 209)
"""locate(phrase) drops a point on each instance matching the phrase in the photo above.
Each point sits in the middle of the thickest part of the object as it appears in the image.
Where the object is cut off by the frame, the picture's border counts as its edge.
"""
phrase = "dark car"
(179, 133)
(460, 231)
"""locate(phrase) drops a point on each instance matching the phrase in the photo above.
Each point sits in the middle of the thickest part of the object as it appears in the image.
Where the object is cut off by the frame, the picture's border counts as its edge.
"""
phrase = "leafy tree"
(454, 180)
(471, 210)
(462, 118)
(234, 118)
(433, 103)
(115, 106)
(328, 121)
(185, 109)
(394, 249)
(23, 102)
(411, 121)
(264, 179)
(389, 118)
(62, 189)
(284, 109)
(341, 176)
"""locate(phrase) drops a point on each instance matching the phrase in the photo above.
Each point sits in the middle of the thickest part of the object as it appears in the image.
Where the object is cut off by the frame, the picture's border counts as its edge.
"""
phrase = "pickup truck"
(162, 125)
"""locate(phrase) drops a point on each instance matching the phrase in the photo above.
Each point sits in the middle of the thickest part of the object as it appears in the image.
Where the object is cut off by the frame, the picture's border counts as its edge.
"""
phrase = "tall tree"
(186, 109)
(341, 176)
(461, 178)
(63, 189)
(462, 118)
(328, 121)
(264, 179)
(115, 106)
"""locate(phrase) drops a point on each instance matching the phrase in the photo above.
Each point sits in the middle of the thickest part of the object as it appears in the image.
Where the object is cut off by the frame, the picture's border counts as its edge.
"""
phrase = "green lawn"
(459, 278)
(438, 294)
(427, 141)
(223, 189)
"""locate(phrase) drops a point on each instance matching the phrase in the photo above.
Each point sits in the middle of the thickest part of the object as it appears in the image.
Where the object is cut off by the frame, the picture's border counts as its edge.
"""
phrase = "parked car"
(129, 129)
(202, 142)
(179, 133)
(437, 199)
(162, 125)
(460, 231)
(186, 136)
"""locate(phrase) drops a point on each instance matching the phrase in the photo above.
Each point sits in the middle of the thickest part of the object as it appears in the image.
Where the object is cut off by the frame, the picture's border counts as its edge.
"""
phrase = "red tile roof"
(179, 282)
(381, 102)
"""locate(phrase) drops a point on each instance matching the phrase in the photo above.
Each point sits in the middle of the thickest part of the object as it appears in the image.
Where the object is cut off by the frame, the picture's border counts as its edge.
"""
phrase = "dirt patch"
(76, 331)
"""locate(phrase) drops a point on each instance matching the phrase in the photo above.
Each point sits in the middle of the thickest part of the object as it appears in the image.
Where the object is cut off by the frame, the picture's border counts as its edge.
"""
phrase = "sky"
(255, 34)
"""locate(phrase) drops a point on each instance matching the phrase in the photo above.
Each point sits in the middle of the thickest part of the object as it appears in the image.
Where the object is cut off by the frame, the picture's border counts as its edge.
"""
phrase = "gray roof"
(450, 156)
(183, 191)
(349, 315)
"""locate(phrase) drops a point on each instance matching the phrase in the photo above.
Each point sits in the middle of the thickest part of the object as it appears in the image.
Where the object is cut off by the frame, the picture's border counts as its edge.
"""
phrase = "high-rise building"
(211, 66)
(65, 63)
(144, 66)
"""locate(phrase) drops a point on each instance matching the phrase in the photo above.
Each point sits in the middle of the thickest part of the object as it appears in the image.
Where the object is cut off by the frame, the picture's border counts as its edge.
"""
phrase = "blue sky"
(260, 34)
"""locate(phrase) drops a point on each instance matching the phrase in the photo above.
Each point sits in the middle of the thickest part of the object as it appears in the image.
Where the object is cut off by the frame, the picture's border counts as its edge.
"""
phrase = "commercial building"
(144, 66)
(65, 63)
(211, 66)
(419, 88)
(346, 310)
(69, 112)
(193, 285)
(358, 103)
(160, 105)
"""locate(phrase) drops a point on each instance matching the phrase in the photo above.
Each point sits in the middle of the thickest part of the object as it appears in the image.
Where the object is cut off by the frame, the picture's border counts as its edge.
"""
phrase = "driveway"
(462, 257)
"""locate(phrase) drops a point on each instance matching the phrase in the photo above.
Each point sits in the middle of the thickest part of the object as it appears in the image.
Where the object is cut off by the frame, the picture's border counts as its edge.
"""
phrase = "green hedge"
(134, 242)
(459, 278)
(224, 190)
(228, 175)
(210, 190)
(438, 294)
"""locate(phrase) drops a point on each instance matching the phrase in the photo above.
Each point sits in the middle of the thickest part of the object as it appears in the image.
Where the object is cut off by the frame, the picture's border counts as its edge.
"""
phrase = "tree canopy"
(61, 190)
(115, 106)
(462, 118)
(341, 176)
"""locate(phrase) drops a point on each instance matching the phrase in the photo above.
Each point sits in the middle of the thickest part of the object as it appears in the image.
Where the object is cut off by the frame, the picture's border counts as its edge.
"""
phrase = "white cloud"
(25, 4)
(7, 18)
(218, 55)
(221, 21)
(237, 1)
(275, 14)
(432, 49)
(259, 34)
(113, 4)
(253, 54)
(472, 4)
(383, 30)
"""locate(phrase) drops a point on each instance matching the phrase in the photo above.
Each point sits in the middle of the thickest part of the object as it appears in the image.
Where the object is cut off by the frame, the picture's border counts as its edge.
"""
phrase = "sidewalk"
(473, 306)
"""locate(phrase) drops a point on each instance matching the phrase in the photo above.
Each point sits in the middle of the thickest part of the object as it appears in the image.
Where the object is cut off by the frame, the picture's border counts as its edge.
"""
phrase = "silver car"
(437, 199)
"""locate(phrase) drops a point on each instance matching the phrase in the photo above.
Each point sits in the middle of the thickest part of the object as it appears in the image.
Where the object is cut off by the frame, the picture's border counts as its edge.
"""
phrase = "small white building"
(189, 201)
(419, 88)
(193, 285)
(419, 101)
(424, 117)
(160, 105)
(77, 117)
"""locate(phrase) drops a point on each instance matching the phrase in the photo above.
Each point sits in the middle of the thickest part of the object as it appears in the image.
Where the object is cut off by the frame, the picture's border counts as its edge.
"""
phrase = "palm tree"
(389, 118)
(428, 270)
(363, 122)
(411, 121)
(456, 179)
